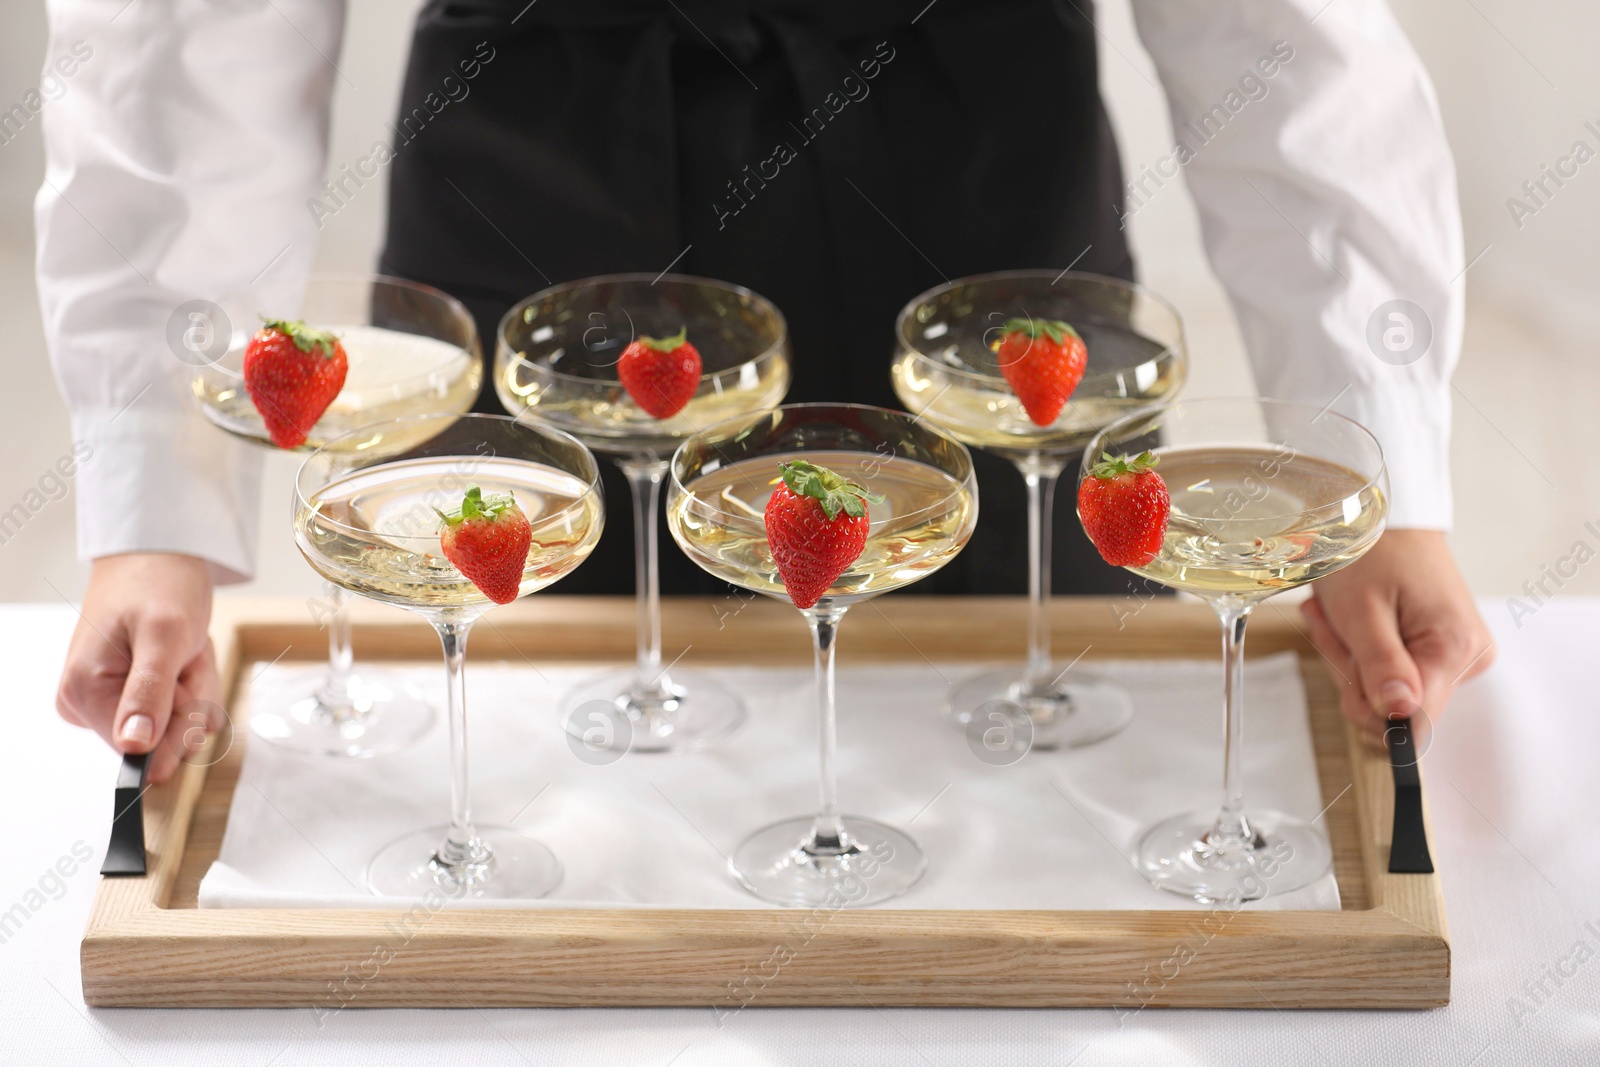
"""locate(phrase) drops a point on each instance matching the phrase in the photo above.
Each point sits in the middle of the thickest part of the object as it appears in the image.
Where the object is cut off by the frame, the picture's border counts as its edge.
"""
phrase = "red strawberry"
(816, 527)
(292, 373)
(660, 375)
(1043, 361)
(487, 538)
(1124, 507)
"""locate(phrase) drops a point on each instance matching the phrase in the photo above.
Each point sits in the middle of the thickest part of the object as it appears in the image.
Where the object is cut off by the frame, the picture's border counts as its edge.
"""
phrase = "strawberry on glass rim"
(1264, 496)
(571, 357)
(1043, 361)
(813, 537)
(1031, 364)
(293, 372)
(661, 374)
(487, 538)
(816, 523)
(1124, 506)
(369, 520)
(356, 349)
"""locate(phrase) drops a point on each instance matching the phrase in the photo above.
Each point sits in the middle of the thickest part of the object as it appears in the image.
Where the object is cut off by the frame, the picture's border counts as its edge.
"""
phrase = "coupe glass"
(720, 482)
(370, 526)
(556, 363)
(1267, 495)
(412, 350)
(946, 372)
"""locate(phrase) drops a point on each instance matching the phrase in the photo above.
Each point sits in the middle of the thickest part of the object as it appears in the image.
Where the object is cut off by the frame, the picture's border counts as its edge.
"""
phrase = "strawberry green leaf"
(475, 505)
(1116, 466)
(833, 491)
(666, 344)
(305, 337)
(1054, 329)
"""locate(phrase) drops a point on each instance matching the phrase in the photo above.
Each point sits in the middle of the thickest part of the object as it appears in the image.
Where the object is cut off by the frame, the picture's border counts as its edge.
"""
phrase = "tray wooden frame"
(148, 944)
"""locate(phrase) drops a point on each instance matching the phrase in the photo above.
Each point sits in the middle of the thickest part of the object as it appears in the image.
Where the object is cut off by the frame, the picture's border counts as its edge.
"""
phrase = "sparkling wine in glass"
(370, 524)
(412, 350)
(946, 371)
(925, 508)
(556, 364)
(1267, 495)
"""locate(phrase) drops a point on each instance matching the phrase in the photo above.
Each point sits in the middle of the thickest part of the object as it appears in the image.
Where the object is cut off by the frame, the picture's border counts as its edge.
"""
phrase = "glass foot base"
(385, 714)
(694, 712)
(879, 863)
(1285, 854)
(1086, 709)
(507, 865)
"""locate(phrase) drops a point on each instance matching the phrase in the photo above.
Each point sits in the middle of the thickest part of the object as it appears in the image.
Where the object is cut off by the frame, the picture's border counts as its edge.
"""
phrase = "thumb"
(1390, 680)
(146, 702)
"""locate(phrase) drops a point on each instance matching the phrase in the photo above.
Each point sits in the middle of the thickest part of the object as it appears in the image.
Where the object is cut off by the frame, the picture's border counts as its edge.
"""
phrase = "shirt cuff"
(1412, 425)
(164, 480)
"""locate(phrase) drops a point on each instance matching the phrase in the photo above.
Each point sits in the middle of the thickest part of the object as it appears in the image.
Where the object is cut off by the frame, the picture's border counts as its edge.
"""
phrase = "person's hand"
(1399, 628)
(139, 651)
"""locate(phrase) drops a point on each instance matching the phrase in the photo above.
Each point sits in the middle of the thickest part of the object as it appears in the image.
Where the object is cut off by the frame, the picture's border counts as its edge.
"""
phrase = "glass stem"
(650, 682)
(827, 832)
(1039, 674)
(461, 845)
(1232, 828)
(334, 696)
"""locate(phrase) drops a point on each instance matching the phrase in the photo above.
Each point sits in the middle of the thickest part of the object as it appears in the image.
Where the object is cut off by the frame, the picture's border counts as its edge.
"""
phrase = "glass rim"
(1156, 412)
(1170, 351)
(457, 309)
(592, 485)
(517, 359)
(970, 480)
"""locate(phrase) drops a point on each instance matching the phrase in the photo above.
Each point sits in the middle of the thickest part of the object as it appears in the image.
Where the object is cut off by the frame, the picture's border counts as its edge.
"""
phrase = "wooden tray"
(148, 943)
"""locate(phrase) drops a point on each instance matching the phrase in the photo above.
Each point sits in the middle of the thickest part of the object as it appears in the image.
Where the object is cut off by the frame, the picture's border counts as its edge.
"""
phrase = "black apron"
(837, 157)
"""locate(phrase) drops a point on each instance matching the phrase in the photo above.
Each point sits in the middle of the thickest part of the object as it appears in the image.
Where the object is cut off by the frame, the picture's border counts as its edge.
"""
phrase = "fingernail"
(137, 730)
(1393, 692)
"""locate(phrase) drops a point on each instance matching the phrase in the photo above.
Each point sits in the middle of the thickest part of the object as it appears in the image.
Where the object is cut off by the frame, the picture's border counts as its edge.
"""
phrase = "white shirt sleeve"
(179, 160)
(1325, 191)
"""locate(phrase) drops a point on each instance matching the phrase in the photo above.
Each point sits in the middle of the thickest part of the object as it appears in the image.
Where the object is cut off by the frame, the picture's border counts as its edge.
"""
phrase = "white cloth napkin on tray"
(1051, 831)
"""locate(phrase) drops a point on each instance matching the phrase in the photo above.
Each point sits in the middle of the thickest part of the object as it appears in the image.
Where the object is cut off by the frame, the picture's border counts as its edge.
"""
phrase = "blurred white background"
(1517, 83)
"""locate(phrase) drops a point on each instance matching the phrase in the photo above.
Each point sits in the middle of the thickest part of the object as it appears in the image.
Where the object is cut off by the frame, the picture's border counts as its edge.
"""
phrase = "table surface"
(1514, 793)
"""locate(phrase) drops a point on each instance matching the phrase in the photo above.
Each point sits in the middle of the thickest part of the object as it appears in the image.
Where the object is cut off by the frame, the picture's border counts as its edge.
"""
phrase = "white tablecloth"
(1512, 785)
(1013, 829)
